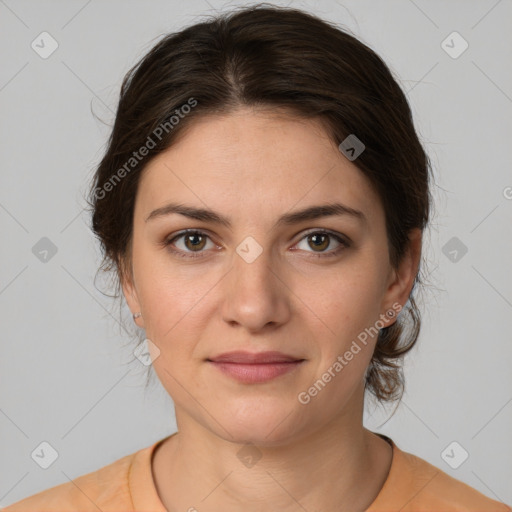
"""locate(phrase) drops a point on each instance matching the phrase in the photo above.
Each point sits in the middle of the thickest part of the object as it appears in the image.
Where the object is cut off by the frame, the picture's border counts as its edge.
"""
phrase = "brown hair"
(282, 58)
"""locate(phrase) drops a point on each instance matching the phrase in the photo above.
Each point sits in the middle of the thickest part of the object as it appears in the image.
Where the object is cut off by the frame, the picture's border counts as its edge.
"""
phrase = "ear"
(130, 294)
(401, 280)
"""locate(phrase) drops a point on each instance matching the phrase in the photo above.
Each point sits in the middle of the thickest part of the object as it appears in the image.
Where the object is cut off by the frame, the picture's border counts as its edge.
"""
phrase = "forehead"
(248, 159)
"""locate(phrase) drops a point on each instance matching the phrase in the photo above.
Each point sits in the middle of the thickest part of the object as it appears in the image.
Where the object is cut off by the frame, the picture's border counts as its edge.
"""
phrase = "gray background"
(67, 373)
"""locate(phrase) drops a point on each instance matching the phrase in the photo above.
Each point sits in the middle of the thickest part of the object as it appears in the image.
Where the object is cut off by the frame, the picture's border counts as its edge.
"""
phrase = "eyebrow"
(310, 213)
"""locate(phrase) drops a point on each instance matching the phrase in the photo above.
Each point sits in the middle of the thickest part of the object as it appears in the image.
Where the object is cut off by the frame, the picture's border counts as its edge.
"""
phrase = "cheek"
(169, 292)
(174, 310)
(179, 307)
(346, 313)
(348, 303)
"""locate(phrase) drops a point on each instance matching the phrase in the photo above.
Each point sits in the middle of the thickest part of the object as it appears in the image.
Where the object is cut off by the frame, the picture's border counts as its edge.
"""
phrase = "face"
(253, 277)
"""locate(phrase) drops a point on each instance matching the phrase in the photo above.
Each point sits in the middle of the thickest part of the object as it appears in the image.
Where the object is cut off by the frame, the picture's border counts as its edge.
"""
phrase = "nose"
(255, 296)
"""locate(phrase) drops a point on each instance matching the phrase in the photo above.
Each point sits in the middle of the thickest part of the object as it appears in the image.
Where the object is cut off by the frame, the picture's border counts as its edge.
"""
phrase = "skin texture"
(253, 166)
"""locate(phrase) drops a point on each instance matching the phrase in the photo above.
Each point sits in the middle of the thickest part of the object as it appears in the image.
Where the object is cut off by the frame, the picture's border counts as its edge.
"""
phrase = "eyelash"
(182, 254)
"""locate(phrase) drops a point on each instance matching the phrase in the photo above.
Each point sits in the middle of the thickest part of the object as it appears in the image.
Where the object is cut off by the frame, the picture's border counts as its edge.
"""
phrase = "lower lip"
(254, 373)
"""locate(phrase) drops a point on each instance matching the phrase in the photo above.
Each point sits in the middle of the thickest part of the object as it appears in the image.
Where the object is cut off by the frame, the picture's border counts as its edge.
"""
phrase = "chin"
(274, 426)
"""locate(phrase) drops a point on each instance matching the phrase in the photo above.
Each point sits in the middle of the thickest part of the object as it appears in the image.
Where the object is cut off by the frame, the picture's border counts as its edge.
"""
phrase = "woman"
(262, 202)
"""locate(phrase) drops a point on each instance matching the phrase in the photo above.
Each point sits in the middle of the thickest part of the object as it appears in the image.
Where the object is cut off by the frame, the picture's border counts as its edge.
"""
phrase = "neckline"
(144, 494)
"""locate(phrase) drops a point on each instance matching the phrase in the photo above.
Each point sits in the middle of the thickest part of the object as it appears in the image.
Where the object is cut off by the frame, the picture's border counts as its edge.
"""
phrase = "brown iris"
(193, 239)
(316, 238)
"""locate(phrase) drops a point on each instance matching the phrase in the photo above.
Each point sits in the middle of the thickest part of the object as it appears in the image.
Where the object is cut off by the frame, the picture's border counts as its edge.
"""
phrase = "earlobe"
(130, 295)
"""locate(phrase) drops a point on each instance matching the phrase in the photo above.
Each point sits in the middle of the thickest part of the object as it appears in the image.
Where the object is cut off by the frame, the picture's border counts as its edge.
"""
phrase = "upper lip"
(242, 357)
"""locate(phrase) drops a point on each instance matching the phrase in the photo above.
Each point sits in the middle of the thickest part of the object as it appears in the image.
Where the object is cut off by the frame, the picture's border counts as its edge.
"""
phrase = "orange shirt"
(127, 485)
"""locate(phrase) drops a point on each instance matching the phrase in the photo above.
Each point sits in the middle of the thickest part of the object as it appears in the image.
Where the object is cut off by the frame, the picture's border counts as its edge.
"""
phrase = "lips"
(255, 368)
(241, 357)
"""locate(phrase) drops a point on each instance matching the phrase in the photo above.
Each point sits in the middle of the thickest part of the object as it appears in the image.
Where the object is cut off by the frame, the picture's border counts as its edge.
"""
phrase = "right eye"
(193, 241)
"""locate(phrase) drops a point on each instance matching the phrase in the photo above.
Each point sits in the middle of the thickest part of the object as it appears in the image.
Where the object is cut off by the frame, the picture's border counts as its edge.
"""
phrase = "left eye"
(193, 243)
(322, 240)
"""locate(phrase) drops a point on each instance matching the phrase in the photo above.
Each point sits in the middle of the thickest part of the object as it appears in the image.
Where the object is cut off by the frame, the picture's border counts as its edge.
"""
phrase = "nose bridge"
(255, 296)
(252, 268)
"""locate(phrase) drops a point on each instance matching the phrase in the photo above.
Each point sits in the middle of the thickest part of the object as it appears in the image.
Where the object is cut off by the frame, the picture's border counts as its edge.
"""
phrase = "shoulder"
(105, 489)
(413, 484)
(436, 488)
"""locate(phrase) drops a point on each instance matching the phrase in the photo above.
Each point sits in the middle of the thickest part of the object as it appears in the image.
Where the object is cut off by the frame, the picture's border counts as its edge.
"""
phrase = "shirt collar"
(145, 496)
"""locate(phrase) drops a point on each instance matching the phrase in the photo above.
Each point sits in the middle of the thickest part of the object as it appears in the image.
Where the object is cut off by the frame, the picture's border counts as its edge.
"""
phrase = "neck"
(340, 467)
